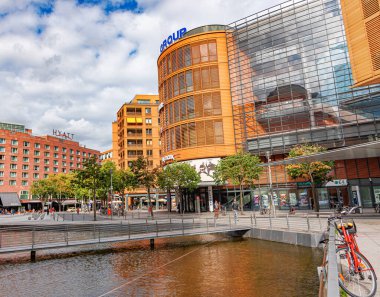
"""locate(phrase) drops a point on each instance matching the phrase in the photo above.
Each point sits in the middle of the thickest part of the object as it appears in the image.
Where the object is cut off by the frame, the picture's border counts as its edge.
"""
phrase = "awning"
(70, 202)
(358, 151)
(9, 200)
(26, 201)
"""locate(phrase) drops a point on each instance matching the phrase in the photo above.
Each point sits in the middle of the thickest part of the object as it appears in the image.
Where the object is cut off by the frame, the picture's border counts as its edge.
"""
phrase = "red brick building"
(25, 158)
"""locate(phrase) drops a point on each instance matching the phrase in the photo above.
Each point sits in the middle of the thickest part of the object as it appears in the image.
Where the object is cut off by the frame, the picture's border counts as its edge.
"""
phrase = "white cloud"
(72, 69)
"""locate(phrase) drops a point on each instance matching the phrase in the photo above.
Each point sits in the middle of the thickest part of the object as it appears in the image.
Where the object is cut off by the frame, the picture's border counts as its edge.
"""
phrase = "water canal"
(191, 266)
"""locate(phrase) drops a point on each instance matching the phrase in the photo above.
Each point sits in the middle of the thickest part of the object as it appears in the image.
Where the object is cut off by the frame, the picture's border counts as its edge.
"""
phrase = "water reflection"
(193, 266)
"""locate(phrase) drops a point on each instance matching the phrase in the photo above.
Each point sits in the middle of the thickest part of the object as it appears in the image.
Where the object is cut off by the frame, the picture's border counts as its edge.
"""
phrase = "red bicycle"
(356, 274)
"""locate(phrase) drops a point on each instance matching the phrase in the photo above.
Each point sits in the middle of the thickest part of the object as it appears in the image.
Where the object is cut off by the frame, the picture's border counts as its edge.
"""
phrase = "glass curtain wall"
(291, 77)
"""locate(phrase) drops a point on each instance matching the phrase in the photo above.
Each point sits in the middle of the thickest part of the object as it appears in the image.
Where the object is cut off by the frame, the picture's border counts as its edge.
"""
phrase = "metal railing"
(33, 236)
(328, 272)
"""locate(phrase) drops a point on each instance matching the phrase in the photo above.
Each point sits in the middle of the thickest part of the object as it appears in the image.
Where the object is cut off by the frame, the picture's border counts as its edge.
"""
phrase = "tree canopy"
(313, 171)
(241, 169)
(178, 176)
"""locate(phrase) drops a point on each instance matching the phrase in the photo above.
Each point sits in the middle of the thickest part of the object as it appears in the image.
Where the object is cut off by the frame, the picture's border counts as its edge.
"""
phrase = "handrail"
(329, 285)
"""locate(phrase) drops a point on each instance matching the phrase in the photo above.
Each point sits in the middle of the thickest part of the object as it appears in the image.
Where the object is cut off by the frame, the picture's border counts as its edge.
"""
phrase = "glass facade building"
(291, 83)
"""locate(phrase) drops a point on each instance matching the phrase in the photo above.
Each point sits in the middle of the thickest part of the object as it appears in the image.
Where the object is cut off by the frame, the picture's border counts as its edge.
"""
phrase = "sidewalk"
(369, 243)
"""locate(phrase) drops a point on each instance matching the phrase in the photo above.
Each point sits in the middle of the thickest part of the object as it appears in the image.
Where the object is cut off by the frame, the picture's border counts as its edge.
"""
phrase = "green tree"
(315, 172)
(90, 178)
(41, 188)
(178, 176)
(144, 174)
(241, 169)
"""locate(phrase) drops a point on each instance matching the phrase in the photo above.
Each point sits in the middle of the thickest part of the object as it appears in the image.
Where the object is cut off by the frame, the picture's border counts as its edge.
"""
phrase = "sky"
(71, 64)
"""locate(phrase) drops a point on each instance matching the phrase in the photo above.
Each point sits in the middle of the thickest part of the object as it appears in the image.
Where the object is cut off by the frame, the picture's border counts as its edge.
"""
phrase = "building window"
(12, 182)
(84, 154)
(2, 157)
(55, 162)
(46, 175)
(46, 169)
(64, 170)
(64, 157)
(149, 152)
(26, 143)
(149, 142)
(36, 175)
(25, 151)
(2, 140)
(46, 161)
(14, 142)
(37, 145)
(1, 182)
(64, 150)
(14, 150)
(56, 148)
(25, 159)
(36, 160)
(47, 147)
(36, 153)
(14, 158)
(78, 153)
(64, 164)
(13, 166)
(71, 157)
(1, 173)
(55, 169)
(12, 174)
(148, 131)
(47, 154)
(36, 167)
(2, 149)
(24, 183)
(148, 121)
(71, 164)
(25, 167)
(71, 151)
(148, 110)
(55, 155)
(2, 165)
(25, 175)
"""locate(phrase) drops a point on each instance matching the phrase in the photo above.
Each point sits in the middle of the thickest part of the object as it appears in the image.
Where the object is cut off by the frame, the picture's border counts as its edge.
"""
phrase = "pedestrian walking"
(235, 208)
(216, 209)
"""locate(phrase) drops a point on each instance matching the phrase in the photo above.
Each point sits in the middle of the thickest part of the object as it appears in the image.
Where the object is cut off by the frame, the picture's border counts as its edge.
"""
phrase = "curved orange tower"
(194, 91)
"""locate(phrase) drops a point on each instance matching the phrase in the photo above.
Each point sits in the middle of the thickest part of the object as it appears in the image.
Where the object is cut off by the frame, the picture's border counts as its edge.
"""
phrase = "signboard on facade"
(205, 168)
(63, 134)
(167, 158)
(172, 38)
(337, 183)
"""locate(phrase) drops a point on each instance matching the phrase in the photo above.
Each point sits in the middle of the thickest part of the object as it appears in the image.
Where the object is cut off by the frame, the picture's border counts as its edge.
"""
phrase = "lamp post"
(111, 188)
(270, 184)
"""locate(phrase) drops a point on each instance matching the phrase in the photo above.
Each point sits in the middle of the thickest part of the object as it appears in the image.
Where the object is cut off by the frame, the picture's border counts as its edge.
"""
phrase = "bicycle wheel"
(355, 284)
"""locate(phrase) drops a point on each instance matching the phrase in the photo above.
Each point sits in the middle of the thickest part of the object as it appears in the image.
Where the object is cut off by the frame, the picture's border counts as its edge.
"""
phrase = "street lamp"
(270, 184)
(111, 194)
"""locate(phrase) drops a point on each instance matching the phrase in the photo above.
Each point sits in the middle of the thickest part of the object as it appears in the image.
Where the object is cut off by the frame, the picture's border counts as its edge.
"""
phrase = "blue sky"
(71, 64)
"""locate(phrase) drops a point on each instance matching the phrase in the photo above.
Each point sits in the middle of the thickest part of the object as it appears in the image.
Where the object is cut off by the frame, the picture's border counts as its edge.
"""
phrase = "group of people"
(235, 208)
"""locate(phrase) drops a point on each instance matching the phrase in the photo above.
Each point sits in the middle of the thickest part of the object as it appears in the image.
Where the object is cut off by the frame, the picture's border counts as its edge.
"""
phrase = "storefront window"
(303, 198)
(365, 195)
(323, 198)
(376, 190)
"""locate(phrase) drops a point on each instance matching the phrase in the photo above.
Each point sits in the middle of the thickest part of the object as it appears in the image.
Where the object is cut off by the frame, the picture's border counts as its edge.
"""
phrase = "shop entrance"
(338, 195)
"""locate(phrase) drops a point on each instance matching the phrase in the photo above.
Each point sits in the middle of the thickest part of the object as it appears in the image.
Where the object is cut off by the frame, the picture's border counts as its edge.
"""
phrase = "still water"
(191, 266)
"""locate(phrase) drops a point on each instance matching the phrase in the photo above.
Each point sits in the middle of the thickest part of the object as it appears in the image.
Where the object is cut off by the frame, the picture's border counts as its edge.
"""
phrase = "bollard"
(270, 222)
(251, 220)
(229, 217)
(33, 256)
(183, 228)
(151, 241)
(308, 223)
(157, 228)
(129, 229)
(287, 221)
(207, 224)
(254, 215)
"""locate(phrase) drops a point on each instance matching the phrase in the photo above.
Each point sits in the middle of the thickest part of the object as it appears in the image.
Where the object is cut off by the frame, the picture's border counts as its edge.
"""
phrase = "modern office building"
(195, 110)
(284, 77)
(25, 158)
